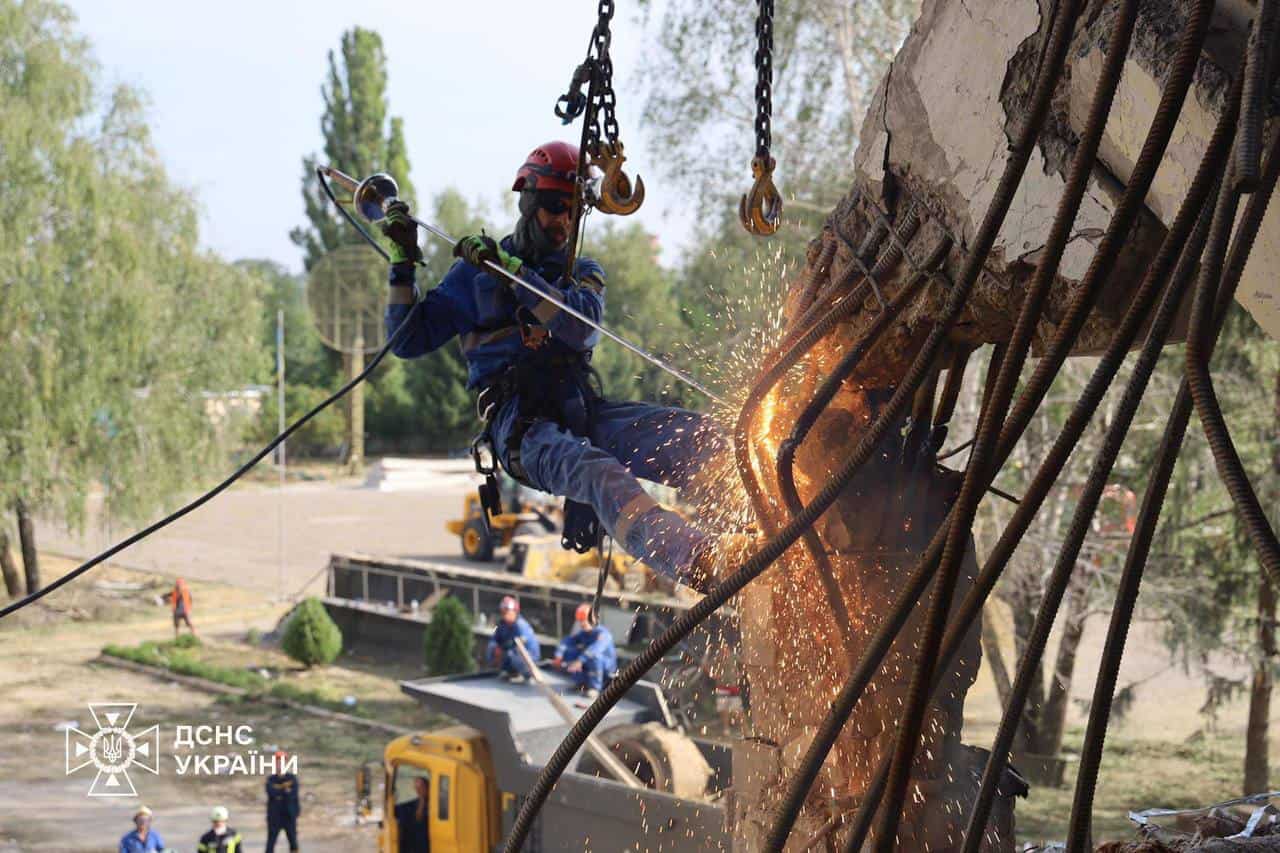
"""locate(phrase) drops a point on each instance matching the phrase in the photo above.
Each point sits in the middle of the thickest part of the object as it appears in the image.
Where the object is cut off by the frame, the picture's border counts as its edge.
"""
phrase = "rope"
(225, 484)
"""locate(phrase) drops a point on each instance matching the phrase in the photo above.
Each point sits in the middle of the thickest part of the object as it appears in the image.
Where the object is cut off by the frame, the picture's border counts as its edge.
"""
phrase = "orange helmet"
(583, 613)
(553, 166)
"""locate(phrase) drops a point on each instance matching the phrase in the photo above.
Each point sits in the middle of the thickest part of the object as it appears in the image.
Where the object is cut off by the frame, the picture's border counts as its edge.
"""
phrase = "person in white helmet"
(220, 838)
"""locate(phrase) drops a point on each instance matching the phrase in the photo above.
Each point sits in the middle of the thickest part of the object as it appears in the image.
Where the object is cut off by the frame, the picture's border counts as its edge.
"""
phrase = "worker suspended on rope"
(547, 420)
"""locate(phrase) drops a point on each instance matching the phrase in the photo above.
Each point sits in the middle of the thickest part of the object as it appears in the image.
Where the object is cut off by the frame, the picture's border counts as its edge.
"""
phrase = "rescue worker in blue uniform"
(283, 805)
(529, 361)
(587, 654)
(502, 651)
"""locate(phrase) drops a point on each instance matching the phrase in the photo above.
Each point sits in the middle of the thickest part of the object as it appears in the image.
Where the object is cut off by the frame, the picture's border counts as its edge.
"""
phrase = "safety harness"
(548, 384)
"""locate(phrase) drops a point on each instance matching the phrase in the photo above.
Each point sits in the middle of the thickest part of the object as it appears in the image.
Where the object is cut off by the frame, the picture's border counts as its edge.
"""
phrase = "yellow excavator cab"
(462, 801)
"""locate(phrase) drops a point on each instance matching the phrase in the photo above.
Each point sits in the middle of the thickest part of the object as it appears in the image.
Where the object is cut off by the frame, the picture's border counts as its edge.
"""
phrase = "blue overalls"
(504, 638)
(588, 449)
(595, 649)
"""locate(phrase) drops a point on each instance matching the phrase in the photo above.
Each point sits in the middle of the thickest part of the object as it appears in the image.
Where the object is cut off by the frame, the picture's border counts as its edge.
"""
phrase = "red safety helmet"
(509, 603)
(583, 613)
(553, 166)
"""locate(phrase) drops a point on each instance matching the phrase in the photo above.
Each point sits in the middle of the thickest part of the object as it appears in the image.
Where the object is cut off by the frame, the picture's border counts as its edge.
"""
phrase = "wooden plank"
(599, 750)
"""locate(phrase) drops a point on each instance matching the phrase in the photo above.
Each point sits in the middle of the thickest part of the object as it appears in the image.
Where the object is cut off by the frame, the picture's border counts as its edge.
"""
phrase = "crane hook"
(617, 194)
(761, 209)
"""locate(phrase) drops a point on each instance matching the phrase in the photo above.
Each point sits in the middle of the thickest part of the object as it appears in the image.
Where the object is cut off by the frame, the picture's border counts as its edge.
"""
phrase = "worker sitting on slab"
(588, 653)
(546, 421)
(502, 651)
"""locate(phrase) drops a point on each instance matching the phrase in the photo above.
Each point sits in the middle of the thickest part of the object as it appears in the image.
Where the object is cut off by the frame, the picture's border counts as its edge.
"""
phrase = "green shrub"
(186, 641)
(447, 642)
(253, 637)
(311, 637)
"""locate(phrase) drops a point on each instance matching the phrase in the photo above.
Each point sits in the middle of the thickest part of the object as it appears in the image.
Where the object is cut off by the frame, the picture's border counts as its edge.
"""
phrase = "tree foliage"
(829, 56)
(1206, 586)
(359, 139)
(447, 642)
(118, 336)
(310, 636)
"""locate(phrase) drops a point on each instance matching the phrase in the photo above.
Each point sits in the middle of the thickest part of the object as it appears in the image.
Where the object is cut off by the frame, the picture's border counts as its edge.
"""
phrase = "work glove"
(402, 231)
(477, 249)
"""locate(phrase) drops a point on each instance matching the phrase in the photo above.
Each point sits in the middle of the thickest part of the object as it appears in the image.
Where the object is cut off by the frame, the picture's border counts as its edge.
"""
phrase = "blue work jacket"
(594, 644)
(132, 842)
(485, 314)
(504, 637)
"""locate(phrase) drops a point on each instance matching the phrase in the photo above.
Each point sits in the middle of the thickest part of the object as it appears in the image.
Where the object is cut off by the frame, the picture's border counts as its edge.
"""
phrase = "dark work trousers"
(276, 823)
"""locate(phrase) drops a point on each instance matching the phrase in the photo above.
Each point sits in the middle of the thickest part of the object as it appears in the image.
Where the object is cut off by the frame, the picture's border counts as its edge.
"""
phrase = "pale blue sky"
(234, 90)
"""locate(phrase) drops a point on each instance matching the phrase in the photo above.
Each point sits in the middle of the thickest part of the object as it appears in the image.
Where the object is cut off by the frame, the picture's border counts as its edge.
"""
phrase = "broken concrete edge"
(938, 129)
(227, 690)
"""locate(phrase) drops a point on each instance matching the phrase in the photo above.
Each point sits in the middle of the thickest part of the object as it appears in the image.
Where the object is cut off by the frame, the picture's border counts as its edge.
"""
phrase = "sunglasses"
(555, 203)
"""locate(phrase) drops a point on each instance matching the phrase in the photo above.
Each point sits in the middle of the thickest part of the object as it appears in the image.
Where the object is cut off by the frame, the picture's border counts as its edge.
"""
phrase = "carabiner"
(761, 209)
(617, 194)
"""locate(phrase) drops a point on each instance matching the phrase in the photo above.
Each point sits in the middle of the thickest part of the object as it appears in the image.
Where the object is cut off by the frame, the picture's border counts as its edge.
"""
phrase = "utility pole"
(280, 451)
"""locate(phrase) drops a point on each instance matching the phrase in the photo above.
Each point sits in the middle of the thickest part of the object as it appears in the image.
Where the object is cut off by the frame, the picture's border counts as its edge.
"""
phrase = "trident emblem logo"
(112, 749)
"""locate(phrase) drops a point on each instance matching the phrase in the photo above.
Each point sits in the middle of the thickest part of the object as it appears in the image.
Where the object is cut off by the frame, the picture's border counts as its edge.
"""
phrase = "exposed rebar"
(1079, 825)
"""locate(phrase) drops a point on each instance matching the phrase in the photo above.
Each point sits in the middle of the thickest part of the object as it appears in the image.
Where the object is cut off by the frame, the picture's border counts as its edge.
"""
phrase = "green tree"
(641, 305)
(447, 642)
(310, 636)
(1208, 585)
(359, 139)
(307, 360)
(118, 336)
(700, 109)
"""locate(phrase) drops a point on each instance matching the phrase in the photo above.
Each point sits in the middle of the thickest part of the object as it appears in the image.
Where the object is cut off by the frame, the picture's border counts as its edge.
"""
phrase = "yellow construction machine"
(477, 773)
(480, 541)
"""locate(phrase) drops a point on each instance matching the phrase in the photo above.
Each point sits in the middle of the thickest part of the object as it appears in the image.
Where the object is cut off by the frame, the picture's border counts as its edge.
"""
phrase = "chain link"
(599, 102)
(764, 78)
(606, 101)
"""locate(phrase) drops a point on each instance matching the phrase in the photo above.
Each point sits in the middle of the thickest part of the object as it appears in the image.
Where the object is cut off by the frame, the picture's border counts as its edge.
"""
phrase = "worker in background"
(588, 653)
(502, 651)
(283, 806)
(413, 819)
(220, 838)
(529, 363)
(142, 838)
(180, 601)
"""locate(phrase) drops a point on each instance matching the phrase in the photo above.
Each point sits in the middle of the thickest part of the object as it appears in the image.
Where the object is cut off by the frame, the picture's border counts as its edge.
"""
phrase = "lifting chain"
(761, 209)
(613, 193)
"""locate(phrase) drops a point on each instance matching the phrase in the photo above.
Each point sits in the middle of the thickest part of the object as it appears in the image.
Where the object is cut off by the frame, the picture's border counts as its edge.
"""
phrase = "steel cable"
(1046, 476)
(989, 428)
(1248, 153)
(1205, 397)
(222, 486)
(1131, 576)
(1086, 505)
(1127, 588)
(796, 350)
(1083, 299)
(826, 392)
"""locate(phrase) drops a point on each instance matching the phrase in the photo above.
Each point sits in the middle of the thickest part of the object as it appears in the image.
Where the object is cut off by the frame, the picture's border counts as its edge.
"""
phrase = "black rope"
(247, 466)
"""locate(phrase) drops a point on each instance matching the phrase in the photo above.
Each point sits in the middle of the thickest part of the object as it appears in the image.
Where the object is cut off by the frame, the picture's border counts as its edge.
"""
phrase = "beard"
(558, 234)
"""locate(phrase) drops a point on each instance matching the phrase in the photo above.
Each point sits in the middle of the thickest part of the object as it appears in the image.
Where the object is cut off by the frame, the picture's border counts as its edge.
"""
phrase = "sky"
(234, 94)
